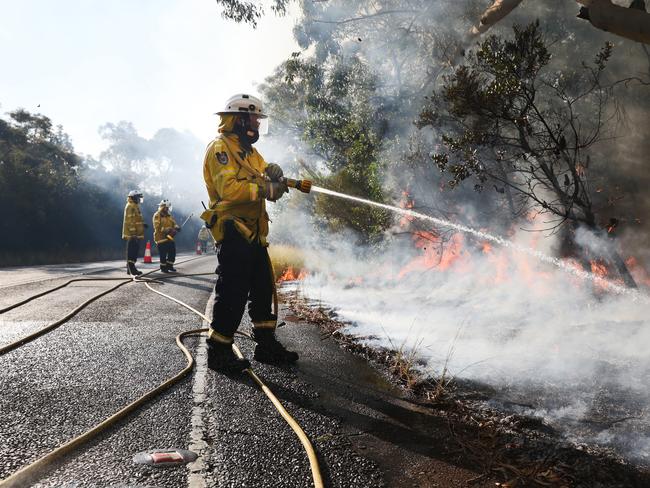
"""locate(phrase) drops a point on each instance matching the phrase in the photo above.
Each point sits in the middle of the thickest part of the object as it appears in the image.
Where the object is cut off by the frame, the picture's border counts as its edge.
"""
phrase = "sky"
(156, 63)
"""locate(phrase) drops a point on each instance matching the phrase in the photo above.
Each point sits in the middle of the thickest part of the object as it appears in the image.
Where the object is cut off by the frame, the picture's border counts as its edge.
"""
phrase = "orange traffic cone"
(198, 248)
(147, 253)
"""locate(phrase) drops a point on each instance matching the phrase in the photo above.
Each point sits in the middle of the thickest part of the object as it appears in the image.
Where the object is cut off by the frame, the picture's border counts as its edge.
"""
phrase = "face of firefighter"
(261, 125)
(248, 134)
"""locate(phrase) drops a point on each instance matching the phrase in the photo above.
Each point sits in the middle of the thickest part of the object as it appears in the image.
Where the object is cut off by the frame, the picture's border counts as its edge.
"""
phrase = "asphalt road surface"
(122, 345)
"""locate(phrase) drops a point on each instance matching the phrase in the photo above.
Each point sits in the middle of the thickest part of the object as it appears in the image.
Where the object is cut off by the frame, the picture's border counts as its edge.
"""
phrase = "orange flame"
(599, 269)
(291, 275)
(435, 255)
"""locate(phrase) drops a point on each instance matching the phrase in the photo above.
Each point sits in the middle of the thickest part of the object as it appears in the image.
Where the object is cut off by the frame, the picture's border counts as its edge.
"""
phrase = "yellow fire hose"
(28, 338)
(311, 454)
(48, 328)
(32, 472)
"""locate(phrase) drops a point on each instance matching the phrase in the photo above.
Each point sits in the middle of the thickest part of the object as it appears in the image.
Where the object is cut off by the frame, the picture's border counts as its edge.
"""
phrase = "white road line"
(195, 478)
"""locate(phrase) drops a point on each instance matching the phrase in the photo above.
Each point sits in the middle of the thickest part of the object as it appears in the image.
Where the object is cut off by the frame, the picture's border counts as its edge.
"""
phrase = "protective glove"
(273, 190)
(172, 232)
(274, 172)
(178, 229)
(146, 226)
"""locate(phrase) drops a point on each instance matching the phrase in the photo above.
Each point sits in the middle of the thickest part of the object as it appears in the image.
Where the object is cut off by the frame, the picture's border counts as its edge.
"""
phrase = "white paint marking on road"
(195, 478)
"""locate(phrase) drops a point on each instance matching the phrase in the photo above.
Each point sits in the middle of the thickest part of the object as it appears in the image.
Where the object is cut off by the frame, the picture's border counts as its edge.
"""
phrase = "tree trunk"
(494, 13)
(625, 22)
(504, 175)
(630, 23)
(614, 258)
(618, 262)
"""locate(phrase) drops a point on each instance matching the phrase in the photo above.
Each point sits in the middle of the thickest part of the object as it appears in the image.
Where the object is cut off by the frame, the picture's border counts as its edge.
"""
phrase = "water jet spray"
(585, 275)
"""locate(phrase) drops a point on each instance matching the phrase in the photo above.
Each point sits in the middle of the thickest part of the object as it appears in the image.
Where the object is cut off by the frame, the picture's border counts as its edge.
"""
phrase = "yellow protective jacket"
(162, 224)
(204, 234)
(233, 181)
(133, 225)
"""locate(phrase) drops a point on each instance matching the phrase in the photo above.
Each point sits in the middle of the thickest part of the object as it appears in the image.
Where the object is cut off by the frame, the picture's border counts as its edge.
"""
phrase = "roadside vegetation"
(287, 261)
(390, 104)
(59, 206)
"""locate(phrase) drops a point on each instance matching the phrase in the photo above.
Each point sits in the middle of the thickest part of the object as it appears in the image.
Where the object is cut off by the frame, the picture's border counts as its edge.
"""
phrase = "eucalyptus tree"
(504, 120)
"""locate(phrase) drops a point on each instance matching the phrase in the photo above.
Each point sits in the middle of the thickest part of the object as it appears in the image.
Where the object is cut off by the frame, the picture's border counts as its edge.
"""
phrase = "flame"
(441, 253)
(436, 253)
(290, 275)
(599, 269)
(406, 202)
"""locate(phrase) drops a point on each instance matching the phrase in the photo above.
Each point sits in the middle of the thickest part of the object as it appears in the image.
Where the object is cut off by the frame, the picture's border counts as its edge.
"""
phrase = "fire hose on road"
(35, 470)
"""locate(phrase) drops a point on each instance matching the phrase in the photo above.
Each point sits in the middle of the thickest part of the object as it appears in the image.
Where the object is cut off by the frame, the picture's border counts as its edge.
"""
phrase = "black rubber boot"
(132, 270)
(163, 268)
(222, 358)
(269, 350)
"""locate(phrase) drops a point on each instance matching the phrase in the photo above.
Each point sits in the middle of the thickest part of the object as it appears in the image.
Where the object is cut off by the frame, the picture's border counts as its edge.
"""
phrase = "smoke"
(546, 342)
(166, 166)
(539, 337)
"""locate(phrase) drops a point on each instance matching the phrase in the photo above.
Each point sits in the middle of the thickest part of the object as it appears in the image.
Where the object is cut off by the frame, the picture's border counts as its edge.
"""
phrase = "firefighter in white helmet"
(133, 230)
(239, 181)
(164, 230)
(204, 238)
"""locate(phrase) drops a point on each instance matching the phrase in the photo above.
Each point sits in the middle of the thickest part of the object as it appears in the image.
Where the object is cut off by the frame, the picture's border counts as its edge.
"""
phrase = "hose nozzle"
(302, 185)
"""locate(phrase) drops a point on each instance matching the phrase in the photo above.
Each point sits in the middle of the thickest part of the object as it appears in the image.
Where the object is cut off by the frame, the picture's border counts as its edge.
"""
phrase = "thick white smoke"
(575, 354)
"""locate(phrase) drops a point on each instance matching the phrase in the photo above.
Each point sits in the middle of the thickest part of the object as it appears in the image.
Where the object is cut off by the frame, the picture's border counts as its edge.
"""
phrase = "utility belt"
(217, 215)
(210, 217)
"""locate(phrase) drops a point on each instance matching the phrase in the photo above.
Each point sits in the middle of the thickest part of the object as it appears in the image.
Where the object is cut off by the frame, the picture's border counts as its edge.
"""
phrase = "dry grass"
(286, 258)
(402, 363)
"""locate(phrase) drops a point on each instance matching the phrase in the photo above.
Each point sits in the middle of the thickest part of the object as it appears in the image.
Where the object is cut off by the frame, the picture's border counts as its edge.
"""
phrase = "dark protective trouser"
(167, 252)
(132, 249)
(243, 274)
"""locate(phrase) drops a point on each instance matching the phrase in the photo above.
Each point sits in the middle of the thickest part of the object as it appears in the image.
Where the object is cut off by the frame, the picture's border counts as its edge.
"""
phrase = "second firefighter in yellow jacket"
(133, 230)
(204, 238)
(164, 230)
(239, 182)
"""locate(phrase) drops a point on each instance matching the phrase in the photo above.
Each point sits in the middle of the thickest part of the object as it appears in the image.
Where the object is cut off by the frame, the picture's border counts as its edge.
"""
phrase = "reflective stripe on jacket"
(162, 224)
(233, 181)
(133, 225)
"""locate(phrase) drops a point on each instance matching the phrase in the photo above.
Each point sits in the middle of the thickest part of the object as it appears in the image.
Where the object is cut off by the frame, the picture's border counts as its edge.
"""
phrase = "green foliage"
(329, 108)
(505, 117)
(58, 207)
(249, 12)
(47, 207)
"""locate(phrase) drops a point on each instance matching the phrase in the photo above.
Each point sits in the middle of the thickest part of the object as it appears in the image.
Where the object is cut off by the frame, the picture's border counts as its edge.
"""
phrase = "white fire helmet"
(166, 203)
(243, 103)
(136, 194)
